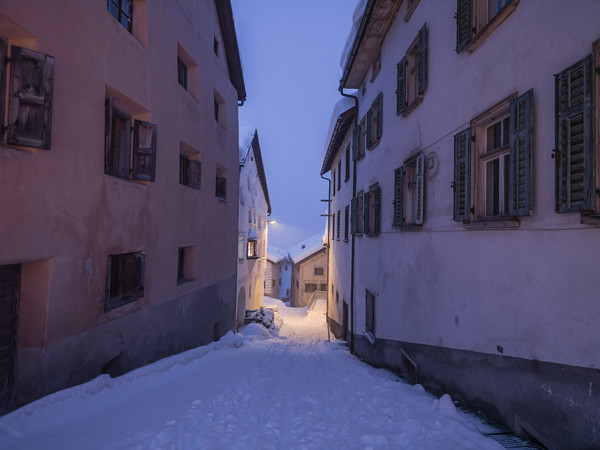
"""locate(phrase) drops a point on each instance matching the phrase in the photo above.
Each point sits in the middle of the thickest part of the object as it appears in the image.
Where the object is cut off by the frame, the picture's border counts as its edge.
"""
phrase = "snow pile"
(255, 331)
(356, 18)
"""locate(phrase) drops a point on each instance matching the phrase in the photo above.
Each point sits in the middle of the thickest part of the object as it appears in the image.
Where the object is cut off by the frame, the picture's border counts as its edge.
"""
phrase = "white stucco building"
(255, 207)
(309, 270)
(278, 273)
(472, 193)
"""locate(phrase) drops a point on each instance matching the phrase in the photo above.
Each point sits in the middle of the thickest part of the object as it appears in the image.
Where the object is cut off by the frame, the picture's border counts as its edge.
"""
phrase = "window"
(408, 193)
(372, 210)
(318, 271)
(498, 147)
(221, 183)
(356, 214)
(412, 75)
(370, 313)
(310, 287)
(333, 183)
(333, 225)
(219, 109)
(190, 166)
(346, 222)
(119, 159)
(182, 73)
(337, 297)
(125, 279)
(347, 163)
(358, 141)
(122, 10)
(575, 152)
(323, 287)
(374, 122)
(411, 5)
(252, 249)
(185, 264)
(339, 185)
(476, 19)
(216, 46)
(30, 96)
(338, 225)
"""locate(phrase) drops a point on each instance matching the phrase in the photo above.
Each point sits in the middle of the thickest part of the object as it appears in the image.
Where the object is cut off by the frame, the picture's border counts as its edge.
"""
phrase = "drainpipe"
(328, 248)
(353, 252)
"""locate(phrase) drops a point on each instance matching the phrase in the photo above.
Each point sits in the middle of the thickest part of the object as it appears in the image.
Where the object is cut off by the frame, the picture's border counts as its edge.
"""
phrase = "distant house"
(474, 205)
(309, 270)
(278, 273)
(254, 208)
(119, 167)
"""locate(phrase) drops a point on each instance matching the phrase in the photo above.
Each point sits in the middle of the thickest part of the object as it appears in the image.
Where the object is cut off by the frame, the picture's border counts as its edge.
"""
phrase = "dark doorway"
(10, 281)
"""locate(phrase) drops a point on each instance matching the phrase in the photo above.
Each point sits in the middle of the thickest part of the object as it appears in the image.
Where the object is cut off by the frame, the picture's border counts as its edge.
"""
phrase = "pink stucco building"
(119, 199)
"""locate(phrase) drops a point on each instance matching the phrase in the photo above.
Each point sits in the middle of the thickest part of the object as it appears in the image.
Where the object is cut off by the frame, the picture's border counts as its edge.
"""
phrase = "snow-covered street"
(250, 390)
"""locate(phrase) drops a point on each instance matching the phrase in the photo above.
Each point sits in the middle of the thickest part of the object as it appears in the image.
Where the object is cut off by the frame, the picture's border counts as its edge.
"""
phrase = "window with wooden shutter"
(461, 175)
(376, 210)
(337, 237)
(370, 312)
(366, 203)
(353, 215)
(574, 138)
(144, 151)
(372, 211)
(422, 68)
(347, 163)
(30, 94)
(521, 155)
(189, 171)
(409, 193)
(412, 75)
(464, 24)
(401, 86)
(3, 56)
(125, 279)
(399, 196)
(333, 183)
(374, 122)
(346, 222)
(117, 151)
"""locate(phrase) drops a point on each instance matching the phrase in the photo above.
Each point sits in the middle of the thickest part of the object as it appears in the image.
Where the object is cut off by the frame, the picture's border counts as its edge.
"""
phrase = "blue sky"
(290, 51)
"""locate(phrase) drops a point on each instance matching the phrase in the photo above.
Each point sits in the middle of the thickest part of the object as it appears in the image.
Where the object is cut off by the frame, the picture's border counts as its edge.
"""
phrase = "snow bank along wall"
(121, 217)
(495, 302)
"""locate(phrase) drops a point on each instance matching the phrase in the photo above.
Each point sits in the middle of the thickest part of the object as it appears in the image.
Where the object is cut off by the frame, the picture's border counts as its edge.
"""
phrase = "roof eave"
(232, 53)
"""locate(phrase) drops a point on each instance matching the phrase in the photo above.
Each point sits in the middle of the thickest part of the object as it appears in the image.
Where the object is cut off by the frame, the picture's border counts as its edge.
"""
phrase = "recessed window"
(189, 171)
(358, 140)
(318, 270)
(374, 122)
(310, 287)
(346, 222)
(347, 163)
(187, 72)
(122, 10)
(356, 214)
(252, 249)
(185, 264)
(182, 73)
(412, 75)
(370, 313)
(125, 279)
(409, 192)
(476, 19)
(221, 183)
(372, 210)
(219, 109)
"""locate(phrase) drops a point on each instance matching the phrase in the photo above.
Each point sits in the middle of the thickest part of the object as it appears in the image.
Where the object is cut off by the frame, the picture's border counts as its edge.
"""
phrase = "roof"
(367, 36)
(232, 52)
(253, 143)
(306, 248)
(341, 120)
(276, 254)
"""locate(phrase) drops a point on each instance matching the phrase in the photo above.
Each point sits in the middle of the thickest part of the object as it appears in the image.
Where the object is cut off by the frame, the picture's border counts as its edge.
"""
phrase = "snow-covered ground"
(258, 389)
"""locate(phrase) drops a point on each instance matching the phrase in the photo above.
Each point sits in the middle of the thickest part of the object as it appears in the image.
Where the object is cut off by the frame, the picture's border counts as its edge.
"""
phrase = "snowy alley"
(285, 389)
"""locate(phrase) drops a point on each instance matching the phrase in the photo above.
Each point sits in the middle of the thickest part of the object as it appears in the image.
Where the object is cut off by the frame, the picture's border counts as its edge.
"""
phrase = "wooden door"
(10, 280)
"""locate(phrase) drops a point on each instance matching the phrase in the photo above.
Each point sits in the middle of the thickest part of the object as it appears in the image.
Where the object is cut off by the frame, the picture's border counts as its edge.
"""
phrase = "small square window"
(185, 264)
(252, 249)
(318, 270)
(221, 183)
(125, 279)
(190, 168)
(122, 10)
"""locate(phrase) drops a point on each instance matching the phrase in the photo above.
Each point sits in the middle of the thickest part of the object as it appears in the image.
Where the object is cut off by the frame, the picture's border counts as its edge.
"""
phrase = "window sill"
(410, 108)
(500, 224)
(252, 257)
(370, 337)
(491, 25)
(591, 219)
(224, 200)
(373, 145)
(411, 227)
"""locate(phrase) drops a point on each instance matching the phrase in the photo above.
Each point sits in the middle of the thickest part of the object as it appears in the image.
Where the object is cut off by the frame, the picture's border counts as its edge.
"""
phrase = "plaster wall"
(304, 272)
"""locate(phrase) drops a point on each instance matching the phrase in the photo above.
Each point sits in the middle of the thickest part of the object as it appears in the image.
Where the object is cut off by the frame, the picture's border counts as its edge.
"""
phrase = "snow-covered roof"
(275, 254)
(248, 139)
(356, 18)
(341, 119)
(245, 139)
(306, 248)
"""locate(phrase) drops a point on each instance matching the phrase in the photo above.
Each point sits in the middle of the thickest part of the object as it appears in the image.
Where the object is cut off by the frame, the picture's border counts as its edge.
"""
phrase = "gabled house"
(278, 274)
(118, 154)
(474, 205)
(254, 208)
(309, 270)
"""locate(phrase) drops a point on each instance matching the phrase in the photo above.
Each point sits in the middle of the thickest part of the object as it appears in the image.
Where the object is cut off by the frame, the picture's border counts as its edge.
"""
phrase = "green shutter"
(366, 229)
(144, 151)
(401, 87)
(355, 142)
(420, 189)
(574, 138)
(377, 218)
(422, 60)
(461, 175)
(399, 196)
(369, 114)
(3, 54)
(464, 24)
(521, 156)
(353, 217)
(379, 115)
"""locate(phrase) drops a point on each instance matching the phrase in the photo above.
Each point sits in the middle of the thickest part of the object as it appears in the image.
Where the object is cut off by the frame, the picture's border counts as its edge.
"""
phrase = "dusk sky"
(290, 53)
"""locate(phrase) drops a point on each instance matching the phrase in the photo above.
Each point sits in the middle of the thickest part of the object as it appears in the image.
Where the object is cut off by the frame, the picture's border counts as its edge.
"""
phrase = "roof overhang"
(261, 170)
(342, 125)
(230, 44)
(374, 25)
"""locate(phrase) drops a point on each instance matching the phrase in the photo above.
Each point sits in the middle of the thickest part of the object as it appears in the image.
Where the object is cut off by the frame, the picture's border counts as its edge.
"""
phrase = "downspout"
(352, 258)
(328, 250)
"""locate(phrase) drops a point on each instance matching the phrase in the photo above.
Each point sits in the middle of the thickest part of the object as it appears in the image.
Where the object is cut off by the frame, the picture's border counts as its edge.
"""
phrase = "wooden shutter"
(420, 189)
(355, 142)
(399, 196)
(377, 218)
(3, 55)
(521, 156)
(574, 138)
(124, 143)
(333, 226)
(461, 175)
(422, 60)
(108, 126)
(338, 225)
(366, 229)
(464, 24)
(144, 151)
(369, 127)
(30, 107)
(401, 87)
(379, 115)
(353, 217)
(195, 173)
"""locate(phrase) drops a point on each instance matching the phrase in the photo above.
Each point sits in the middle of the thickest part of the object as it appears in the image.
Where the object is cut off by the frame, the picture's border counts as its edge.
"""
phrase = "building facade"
(118, 231)
(254, 208)
(308, 270)
(475, 197)
(277, 285)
